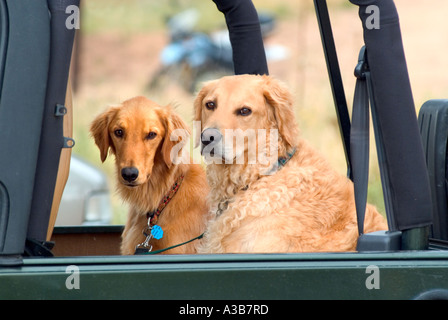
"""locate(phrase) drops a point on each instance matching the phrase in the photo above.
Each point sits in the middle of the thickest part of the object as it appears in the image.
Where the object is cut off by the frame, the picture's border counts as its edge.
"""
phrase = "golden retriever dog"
(139, 133)
(294, 203)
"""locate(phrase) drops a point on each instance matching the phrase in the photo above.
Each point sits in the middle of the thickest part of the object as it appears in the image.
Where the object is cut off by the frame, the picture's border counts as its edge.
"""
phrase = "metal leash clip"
(145, 247)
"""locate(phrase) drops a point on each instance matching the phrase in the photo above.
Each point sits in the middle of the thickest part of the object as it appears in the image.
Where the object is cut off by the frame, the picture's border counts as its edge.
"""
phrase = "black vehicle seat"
(433, 123)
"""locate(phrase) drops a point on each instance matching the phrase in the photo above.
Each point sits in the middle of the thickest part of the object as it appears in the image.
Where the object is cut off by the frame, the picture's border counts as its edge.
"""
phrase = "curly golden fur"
(138, 134)
(305, 206)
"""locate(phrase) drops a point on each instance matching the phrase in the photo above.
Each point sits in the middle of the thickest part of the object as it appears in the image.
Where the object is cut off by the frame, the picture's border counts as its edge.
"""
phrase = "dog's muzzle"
(210, 138)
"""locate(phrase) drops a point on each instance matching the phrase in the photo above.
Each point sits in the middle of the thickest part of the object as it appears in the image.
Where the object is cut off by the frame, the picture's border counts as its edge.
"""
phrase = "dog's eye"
(244, 111)
(119, 133)
(210, 105)
(151, 135)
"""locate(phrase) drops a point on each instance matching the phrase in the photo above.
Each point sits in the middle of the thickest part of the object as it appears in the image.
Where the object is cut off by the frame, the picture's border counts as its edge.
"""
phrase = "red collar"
(153, 216)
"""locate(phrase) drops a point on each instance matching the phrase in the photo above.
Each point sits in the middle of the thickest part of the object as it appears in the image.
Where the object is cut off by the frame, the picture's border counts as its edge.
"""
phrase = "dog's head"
(139, 134)
(245, 108)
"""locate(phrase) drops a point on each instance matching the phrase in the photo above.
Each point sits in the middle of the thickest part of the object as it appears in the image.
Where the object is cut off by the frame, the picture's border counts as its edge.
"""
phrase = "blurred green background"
(117, 55)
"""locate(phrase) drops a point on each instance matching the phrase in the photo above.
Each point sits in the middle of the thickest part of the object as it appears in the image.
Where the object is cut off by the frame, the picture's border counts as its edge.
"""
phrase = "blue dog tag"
(157, 232)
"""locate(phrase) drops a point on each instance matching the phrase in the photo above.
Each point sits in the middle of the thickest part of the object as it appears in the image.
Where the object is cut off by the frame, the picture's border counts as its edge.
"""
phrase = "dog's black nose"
(129, 174)
(210, 135)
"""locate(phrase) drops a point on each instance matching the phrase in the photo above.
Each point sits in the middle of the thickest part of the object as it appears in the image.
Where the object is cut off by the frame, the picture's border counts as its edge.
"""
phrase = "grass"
(130, 16)
(122, 16)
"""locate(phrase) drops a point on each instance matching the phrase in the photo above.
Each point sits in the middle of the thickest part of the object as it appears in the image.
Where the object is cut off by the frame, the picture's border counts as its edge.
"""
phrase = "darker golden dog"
(140, 135)
(294, 203)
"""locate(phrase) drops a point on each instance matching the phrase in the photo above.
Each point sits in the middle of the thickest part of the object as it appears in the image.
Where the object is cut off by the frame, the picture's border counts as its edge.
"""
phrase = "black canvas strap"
(359, 139)
(385, 240)
(334, 73)
(245, 36)
(407, 177)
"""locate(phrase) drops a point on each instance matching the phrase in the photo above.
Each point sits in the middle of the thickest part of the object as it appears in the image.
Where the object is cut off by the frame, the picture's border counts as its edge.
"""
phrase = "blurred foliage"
(131, 16)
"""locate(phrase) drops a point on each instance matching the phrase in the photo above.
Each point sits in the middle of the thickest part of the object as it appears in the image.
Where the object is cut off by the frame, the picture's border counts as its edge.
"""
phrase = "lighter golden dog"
(140, 135)
(296, 204)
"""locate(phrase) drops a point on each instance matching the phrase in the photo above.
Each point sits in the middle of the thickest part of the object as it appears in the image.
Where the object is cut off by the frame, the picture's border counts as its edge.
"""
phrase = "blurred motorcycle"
(193, 57)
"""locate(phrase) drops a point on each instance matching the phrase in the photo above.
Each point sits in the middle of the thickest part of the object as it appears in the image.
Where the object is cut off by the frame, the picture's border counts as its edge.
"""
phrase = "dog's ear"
(100, 133)
(280, 99)
(176, 131)
(198, 110)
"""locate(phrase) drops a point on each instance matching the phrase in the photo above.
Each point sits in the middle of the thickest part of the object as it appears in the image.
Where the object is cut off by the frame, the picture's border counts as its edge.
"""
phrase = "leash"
(152, 230)
(175, 246)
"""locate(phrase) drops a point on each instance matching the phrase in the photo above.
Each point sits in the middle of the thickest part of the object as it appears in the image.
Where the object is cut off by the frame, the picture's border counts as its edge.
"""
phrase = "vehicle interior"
(36, 112)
